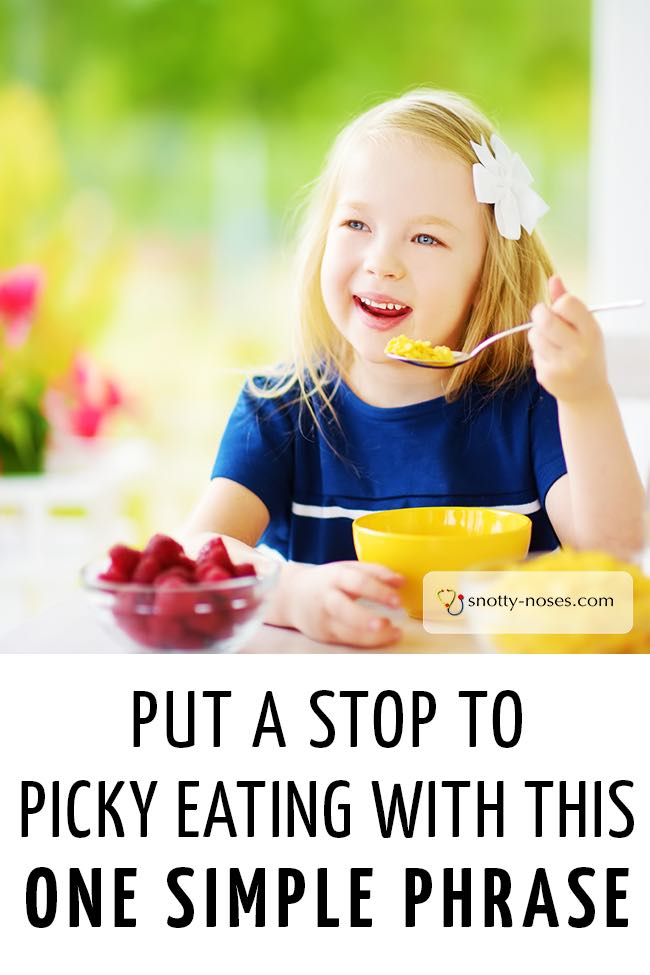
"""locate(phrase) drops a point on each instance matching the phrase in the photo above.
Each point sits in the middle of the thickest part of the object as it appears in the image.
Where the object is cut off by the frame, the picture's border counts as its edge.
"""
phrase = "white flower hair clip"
(504, 180)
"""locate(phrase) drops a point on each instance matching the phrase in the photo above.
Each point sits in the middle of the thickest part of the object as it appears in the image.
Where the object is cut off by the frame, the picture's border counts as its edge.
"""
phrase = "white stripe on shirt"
(523, 509)
(327, 511)
(336, 511)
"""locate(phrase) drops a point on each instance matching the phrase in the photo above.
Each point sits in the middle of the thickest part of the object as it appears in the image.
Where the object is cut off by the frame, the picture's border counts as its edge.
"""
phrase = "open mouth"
(381, 315)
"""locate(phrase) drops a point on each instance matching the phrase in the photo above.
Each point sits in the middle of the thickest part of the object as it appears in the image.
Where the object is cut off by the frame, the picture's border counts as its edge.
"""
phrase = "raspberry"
(113, 574)
(173, 598)
(164, 549)
(129, 602)
(147, 569)
(125, 603)
(245, 569)
(165, 631)
(124, 560)
(207, 572)
(188, 640)
(173, 612)
(176, 572)
(216, 625)
(185, 562)
(214, 551)
(136, 627)
(168, 633)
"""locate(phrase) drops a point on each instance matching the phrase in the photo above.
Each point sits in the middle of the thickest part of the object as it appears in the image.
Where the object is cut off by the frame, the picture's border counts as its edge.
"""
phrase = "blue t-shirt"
(496, 450)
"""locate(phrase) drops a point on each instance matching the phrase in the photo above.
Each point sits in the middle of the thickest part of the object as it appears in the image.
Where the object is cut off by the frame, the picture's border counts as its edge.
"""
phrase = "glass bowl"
(213, 617)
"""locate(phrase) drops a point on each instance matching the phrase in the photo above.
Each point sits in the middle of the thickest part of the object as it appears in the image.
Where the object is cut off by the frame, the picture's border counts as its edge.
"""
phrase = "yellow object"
(414, 541)
(636, 641)
(422, 350)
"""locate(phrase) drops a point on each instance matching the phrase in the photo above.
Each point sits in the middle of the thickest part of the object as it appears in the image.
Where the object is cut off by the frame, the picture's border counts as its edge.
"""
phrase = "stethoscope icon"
(448, 604)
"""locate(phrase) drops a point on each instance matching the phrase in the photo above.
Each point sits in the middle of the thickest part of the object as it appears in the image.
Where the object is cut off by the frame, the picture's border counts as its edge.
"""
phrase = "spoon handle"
(614, 306)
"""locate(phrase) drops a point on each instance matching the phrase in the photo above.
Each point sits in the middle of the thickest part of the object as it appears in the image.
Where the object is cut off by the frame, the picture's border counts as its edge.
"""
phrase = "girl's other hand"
(322, 602)
(568, 347)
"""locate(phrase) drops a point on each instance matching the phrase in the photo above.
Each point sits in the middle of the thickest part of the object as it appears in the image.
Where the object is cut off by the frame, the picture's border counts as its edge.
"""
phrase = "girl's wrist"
(593, 400)
(281, 603)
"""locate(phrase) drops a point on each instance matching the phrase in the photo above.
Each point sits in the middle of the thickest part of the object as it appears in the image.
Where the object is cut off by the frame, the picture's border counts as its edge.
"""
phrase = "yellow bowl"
(414, 541)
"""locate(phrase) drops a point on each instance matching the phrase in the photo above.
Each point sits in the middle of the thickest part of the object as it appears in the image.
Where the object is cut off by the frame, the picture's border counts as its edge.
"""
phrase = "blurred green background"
(152, 152)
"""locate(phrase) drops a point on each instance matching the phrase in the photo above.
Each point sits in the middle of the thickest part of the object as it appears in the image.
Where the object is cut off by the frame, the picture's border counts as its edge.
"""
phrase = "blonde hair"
(513, 277)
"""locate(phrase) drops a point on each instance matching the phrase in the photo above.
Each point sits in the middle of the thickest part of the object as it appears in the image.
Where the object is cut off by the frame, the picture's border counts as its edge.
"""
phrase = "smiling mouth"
(381, 318)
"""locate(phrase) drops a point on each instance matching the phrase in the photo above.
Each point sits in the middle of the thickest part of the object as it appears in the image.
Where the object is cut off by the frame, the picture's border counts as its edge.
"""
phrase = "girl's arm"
(227, 508)
(319, 600)
(599, 502)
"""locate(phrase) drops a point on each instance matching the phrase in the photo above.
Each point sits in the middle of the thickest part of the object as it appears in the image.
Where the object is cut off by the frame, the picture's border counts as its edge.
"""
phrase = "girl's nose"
(381, 261)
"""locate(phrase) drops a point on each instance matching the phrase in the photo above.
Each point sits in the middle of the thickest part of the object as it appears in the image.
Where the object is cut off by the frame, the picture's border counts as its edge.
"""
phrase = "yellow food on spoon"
(422, 350)
(636, 641)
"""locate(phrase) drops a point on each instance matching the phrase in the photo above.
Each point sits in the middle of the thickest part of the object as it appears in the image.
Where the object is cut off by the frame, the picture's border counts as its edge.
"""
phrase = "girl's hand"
(568, 347)
(322, 602)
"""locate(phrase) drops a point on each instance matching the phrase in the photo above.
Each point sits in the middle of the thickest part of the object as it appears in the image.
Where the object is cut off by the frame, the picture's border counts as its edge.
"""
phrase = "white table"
(71, 627)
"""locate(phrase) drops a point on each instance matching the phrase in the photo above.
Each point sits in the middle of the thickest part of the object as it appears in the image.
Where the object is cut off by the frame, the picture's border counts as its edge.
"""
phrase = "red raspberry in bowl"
(214, 552)
(207, 572)
(133, 602)
(113, 575)
(166, 632)
(147, 570)
(176, 572)
(216, 624)
(174, 597)
(163, 599)
(124, 560)
(185, 562)
(245, 569)
(164, 549)
(189, 640)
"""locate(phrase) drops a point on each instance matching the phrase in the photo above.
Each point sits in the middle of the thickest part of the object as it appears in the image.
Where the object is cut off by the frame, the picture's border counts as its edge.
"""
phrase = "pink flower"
(85, 420)
(86, 399)
(19, 290)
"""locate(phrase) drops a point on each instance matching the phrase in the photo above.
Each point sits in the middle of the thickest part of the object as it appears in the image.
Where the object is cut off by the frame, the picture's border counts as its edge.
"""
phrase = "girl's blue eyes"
(428, 239)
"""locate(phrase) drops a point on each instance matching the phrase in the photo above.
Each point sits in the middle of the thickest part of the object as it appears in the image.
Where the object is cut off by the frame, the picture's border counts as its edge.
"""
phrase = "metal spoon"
(462, 357)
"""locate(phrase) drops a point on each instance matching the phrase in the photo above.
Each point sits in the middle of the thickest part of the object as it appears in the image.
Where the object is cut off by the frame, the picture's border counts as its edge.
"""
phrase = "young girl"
(416, 228)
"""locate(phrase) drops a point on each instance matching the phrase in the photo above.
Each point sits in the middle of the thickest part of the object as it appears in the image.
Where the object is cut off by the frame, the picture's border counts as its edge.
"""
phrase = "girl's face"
(406, 230)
